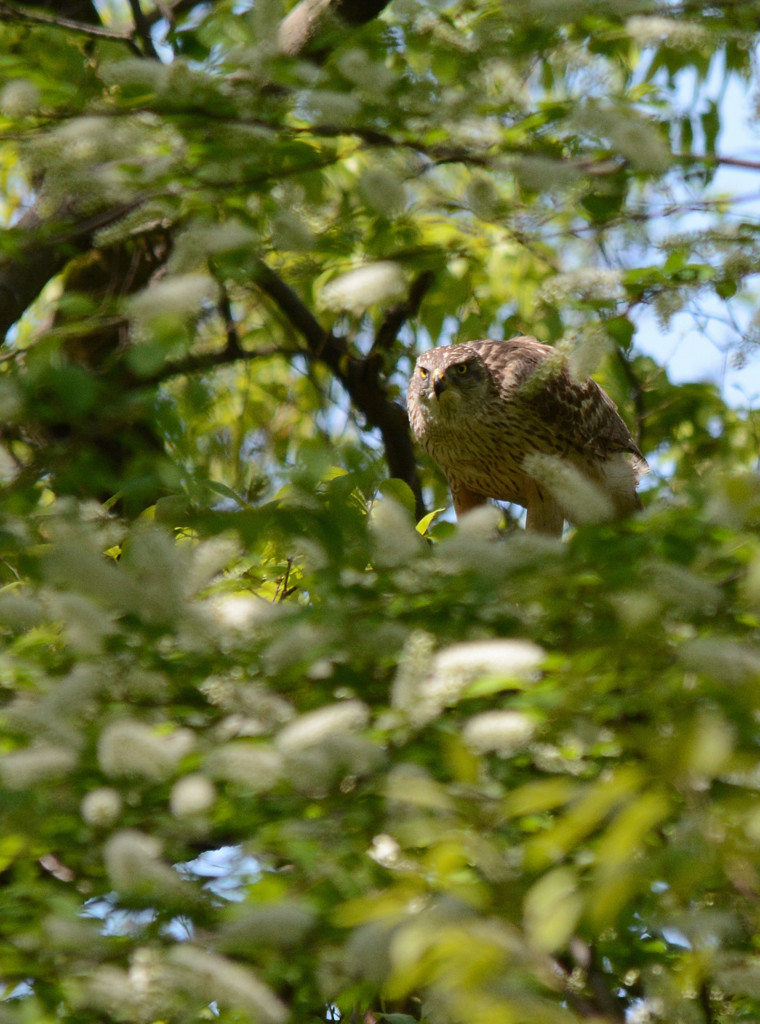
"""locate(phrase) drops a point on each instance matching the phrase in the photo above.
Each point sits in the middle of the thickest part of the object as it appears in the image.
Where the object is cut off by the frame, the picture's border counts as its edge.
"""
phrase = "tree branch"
(13, 12)
(599, 1003)
(206, 361)
(169, 11)
(44, 249)
(361, 378)
(308, 18)
(142, 29)
(233, 346)
(396, 317)
(637, 394)
(76, 10)
(722, 161)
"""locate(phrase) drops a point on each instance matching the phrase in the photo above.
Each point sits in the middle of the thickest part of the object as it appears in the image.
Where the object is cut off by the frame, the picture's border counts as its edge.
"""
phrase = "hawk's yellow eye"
(423, 372)
(462, 369)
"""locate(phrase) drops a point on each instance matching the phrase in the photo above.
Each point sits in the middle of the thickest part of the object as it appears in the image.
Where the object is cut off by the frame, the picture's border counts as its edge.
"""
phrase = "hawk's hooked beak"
(439, 382)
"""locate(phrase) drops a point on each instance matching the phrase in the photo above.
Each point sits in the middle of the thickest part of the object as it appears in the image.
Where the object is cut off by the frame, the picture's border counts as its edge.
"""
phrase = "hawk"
(507, 420)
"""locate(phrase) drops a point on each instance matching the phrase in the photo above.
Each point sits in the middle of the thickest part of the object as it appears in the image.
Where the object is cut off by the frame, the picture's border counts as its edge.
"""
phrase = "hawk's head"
(447, 380)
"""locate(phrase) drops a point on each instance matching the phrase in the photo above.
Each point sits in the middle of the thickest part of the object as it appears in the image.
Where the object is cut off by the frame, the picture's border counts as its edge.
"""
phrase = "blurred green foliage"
(271, 749)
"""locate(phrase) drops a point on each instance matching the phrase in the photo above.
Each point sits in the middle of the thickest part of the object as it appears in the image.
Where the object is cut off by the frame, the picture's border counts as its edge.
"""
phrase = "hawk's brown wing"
(580, 414)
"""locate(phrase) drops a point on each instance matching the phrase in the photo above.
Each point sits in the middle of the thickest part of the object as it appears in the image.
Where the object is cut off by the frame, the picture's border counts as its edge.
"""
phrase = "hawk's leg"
(544, 514)
(465, 500)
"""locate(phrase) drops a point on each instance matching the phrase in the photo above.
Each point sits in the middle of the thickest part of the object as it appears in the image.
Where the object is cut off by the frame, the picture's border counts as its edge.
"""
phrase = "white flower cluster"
(726, 660)
(499, 732)
(654, 30)
(357, 290)
(412, 672)
(150, 76)
(131, 748)
(157, 983)
(582, 500)
(134, 865)
(456, 667)
(382, 191)
(326, 746)
(315, 727)
(394, 539)
(100, 158)
(38, 763)
(253, 709)
(543, 174)
(680, 587)
(586, 350)
(178, 296)
(101, 807)
(371, 75)
(667, 303)
(255, 765)
(499, 78)
(191, 796)
(124, 994)
(215, 978)
(640, 142)
(238, 612)
(385, 851)
(588, 283)
(19, 98)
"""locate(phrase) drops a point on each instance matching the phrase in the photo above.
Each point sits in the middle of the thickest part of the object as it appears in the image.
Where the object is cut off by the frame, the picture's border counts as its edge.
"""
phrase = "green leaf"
(621, 330)
(726, 288)
(424, 524)
(400, 491)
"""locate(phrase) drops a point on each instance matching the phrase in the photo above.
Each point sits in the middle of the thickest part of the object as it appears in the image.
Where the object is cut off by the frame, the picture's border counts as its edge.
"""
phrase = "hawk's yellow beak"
(439, 382)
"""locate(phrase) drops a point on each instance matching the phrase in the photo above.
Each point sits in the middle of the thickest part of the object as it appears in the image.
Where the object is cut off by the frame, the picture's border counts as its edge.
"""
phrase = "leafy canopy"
(278, 741)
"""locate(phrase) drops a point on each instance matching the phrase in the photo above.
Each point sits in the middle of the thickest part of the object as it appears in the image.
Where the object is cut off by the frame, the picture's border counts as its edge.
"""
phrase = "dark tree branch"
(360, 376)
(76, 10)
(142, 29)
(205, 361)
(233, 347)
(598, 1003)
(706, 1003)
(396, 317)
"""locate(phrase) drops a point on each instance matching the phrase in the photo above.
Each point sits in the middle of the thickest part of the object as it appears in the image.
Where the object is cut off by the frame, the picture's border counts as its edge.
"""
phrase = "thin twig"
(142, 29)
(206, 361)
(169, 11)
(706, 1003)
(233, 347)
(722, 161)
(637, 394)
(12, 12)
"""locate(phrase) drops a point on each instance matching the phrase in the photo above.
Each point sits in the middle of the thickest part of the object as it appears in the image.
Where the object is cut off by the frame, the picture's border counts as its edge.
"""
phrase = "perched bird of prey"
(507, 420)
